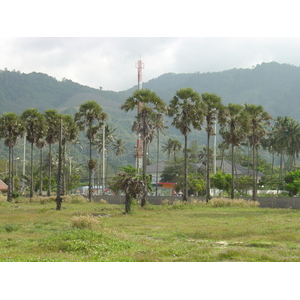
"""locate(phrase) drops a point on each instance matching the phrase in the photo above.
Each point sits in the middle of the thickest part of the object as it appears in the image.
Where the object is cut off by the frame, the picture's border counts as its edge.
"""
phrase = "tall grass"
(225, 202)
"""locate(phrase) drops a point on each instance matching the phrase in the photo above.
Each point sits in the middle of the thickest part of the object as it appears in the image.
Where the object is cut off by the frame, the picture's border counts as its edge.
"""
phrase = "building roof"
(239, 170)
(3, 186)
(152, 168)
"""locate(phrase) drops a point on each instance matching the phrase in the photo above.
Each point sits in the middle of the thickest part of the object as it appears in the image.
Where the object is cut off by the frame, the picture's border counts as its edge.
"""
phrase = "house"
(3, 186)
(154, 169)
(239, 171)
(226, 166)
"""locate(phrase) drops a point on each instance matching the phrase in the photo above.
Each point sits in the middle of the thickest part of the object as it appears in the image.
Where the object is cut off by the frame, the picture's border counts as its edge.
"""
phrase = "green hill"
(275, 86)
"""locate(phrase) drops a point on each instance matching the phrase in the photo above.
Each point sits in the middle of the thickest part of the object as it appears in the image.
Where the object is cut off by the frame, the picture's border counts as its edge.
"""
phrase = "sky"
(99, 46)
(110, 62)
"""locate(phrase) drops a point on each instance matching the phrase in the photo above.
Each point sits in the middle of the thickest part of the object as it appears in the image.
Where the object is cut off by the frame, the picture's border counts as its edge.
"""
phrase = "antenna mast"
(139, 148)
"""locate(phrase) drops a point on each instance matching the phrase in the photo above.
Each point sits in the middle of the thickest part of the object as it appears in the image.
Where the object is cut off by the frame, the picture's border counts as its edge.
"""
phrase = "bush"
(82, 222)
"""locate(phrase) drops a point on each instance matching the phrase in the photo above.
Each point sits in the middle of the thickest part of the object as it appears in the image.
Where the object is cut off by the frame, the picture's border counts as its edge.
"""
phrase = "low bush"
(83, 222)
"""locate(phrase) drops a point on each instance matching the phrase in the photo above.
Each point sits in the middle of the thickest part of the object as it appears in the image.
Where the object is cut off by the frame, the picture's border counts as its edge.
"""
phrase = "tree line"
(188, 110)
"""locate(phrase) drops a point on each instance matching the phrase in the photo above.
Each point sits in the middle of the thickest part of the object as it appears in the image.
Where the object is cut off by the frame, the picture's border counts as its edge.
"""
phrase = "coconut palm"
(257, 122)
(90, 117)
(233, 131)
(52, 121)
(148, 105)
(185, 108)
(211, 104)
(11, 128)
(35, 129)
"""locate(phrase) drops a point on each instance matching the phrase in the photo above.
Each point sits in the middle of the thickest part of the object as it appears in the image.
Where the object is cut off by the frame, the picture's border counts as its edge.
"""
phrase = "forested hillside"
(275, 86)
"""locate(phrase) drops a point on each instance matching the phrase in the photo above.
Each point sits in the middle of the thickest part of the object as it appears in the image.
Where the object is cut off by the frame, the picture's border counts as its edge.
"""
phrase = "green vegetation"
(222, 230)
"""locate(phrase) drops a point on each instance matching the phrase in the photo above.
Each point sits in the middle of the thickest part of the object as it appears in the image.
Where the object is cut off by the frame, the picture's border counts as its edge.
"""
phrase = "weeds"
(83, 222)
(224, 202)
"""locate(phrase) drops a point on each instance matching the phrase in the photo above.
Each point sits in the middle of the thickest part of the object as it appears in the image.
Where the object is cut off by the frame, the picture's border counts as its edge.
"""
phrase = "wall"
(271, 202)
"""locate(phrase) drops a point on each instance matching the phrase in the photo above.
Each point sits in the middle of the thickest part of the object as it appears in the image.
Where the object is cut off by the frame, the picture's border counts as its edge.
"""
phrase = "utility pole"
(139, 148)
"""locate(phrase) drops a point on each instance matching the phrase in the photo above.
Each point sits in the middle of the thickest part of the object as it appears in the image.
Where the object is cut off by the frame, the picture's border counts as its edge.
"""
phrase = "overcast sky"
(220, 37)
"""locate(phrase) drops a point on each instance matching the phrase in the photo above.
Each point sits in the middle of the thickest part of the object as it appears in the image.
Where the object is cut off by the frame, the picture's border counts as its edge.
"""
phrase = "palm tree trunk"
(254, 174)
(63, 185)
(144, 196)
(50, 166)
(157, 159)
(90, 173)
(232, 171)
(31, 171)
(184, 196)
(207, 169)
(41, 171)
(9, 196)
(12, 170)
(59, 181)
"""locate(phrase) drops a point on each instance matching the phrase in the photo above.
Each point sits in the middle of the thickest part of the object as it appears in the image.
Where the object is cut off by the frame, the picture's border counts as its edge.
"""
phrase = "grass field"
(222, 231)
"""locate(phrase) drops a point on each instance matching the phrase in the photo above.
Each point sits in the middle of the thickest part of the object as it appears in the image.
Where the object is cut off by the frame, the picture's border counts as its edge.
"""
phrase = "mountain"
(275, 86)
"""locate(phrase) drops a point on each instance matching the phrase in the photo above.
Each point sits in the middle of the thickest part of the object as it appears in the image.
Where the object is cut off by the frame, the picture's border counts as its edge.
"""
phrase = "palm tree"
(11, 128)
(159, 126)
(233, 132)
(52, 121)
(289, 136)
(131, 186)
(41, 143)
(35, 129)
(148, 105)
(257, 121)
(119, 148)
(185, 108)
(172, 146)
(69, 135)
(211, 104)
(92, 117)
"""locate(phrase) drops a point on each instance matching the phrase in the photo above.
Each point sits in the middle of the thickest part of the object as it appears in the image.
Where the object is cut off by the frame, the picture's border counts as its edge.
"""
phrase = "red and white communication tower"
(139, 146)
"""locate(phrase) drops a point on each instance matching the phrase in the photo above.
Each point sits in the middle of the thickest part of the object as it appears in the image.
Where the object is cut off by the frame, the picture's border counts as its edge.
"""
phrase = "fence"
(271, 202)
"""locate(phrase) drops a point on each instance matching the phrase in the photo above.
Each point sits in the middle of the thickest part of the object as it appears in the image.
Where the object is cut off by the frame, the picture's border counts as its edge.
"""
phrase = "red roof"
(3, 186)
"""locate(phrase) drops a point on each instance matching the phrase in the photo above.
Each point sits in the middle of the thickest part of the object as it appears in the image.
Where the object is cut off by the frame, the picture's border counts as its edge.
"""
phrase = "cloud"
(110, 62)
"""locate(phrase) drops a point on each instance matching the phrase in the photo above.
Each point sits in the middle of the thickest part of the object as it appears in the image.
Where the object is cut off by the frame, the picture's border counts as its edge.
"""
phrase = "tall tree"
(233, 131)
(119, 148)
(90, 117)
(185, 108)
(35, 129)
(148, 105)
(11, 128)
(52, 121)
(211, 104)
(159, 126)
(69, 135)
(257, 120)
(172, 146)
(41, 143)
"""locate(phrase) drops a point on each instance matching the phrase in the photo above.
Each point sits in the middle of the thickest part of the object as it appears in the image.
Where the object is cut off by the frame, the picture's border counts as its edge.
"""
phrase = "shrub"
(102, 201)
(82, 222)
